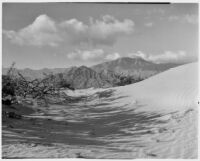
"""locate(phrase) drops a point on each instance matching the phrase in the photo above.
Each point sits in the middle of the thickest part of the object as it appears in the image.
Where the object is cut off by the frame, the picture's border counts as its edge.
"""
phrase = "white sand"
(172, 93)
(173, 90)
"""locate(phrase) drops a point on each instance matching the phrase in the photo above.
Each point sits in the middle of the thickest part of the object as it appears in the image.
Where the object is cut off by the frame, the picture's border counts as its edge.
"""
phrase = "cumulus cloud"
(113, 56)
(107, 30)
(45, 31)
(42, 31)
(86, 54)
(188, 18)
(167, 56)
(94, 55)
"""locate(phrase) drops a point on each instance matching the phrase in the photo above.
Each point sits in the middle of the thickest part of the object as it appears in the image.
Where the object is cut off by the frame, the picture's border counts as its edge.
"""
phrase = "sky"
(60, 35)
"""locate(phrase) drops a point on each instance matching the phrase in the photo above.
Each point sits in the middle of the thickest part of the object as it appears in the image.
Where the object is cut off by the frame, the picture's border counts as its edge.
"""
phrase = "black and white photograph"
(99, 80)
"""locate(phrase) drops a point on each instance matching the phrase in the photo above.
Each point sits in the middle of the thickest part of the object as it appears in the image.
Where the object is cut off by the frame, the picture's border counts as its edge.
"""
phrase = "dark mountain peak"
(137, 67)
(83, 67)
(135, 60)
(124, 63)
(84, 77)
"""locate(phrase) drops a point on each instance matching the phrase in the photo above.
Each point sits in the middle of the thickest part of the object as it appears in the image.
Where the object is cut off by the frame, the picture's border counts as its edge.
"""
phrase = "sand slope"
(155, 118)
(172, 90)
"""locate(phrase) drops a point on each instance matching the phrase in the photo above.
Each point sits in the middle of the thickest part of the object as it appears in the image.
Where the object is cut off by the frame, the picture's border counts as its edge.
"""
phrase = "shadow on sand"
(97, 124)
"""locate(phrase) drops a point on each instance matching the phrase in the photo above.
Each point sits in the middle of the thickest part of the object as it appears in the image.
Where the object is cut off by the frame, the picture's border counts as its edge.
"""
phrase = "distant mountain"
(83, 77)
(137, 67)
(101, 75)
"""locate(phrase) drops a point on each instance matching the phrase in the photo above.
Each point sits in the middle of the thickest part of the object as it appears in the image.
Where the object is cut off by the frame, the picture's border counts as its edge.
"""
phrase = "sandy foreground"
(155, 118)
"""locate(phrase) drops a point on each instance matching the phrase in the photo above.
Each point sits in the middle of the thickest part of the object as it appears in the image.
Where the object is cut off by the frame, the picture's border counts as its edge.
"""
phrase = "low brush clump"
(18, 89)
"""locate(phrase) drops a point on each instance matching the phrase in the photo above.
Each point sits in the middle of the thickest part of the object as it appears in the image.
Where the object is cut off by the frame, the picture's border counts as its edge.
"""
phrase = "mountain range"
(100, 75)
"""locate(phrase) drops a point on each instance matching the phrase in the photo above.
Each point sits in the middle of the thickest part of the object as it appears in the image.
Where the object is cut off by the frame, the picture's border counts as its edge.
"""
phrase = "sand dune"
(155, 118)
(172, 90)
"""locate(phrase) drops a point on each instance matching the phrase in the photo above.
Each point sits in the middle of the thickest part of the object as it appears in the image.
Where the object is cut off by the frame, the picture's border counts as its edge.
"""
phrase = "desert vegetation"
(123, 80)
(17, 87)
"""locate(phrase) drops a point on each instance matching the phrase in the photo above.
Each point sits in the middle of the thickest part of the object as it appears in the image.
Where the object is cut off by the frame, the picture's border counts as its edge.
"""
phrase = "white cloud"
(75, 25)
(107, 30)
(104, 32)
(113, 56)
(42, 31)
(167, 56)
(138, 54)
(45, 31)
(94, 55)
(191, 19)
(86, 54)
(149, 24)
(188, 18)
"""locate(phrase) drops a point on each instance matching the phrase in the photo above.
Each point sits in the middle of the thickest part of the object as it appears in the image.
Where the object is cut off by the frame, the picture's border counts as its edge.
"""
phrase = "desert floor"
(155, 118)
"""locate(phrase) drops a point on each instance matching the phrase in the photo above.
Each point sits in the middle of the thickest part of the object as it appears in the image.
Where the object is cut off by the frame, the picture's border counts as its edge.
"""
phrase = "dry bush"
(14, 87)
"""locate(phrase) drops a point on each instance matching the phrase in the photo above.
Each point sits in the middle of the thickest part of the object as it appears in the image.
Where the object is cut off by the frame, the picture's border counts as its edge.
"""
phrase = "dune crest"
(172, 90)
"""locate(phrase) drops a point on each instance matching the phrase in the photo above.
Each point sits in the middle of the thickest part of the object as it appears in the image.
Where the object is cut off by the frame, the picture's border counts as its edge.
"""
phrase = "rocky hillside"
(84, 77)
(101, 75)
(137, 67)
